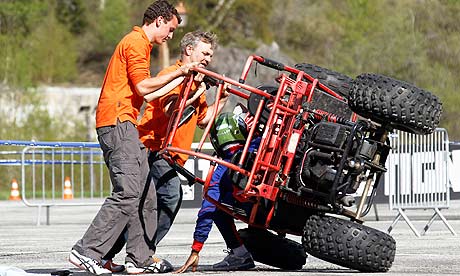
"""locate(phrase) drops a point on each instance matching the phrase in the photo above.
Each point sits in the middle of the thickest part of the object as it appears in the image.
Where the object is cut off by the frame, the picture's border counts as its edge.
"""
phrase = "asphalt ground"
(45, 248)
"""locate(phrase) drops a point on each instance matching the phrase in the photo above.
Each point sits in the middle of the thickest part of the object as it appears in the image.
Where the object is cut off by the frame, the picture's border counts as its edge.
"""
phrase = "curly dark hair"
(160, 8)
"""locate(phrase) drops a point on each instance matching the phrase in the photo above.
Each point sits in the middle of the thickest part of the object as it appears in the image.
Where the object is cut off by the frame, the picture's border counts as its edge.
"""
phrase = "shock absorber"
(299, 201)
(318, 114)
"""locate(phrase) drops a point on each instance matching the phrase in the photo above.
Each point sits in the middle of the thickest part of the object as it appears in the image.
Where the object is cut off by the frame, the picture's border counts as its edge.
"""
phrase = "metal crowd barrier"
(418, 176)
(45, 167)
(54, 172)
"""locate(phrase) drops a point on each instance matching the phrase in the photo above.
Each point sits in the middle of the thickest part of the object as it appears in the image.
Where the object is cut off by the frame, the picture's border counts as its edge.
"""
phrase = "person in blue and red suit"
(228, 136)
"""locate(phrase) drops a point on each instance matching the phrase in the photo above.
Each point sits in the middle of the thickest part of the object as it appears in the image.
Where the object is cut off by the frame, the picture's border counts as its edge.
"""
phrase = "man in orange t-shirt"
(195, 47)
(127, 81)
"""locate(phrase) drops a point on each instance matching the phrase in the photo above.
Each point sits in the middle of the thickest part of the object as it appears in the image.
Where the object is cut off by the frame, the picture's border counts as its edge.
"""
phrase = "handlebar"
(272, 64)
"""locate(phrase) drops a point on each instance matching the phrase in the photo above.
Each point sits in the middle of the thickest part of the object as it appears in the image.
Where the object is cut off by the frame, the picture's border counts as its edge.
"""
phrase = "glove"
(191, 261)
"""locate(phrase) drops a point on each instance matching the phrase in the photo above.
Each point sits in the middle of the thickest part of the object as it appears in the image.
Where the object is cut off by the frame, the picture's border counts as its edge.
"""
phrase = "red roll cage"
(273, 160)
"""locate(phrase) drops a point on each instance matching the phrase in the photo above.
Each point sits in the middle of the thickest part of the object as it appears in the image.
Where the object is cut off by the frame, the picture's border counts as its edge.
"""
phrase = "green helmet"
(228, 130)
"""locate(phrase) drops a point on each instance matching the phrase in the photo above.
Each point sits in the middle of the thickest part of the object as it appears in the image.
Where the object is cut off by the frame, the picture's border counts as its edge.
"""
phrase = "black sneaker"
(233, 262)
(88, 264)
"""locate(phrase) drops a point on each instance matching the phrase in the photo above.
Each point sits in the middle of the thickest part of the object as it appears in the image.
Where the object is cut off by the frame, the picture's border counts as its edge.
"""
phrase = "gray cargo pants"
(132, 203)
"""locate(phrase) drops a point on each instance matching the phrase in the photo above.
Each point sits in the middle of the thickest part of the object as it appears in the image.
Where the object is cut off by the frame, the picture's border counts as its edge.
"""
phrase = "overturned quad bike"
(324, 136)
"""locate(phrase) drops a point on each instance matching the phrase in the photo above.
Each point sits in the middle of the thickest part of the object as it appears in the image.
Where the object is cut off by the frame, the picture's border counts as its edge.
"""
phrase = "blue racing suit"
(220, 189)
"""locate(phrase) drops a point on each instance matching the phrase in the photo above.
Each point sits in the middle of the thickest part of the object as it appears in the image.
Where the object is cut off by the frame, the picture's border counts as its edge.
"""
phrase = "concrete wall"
(73, 102)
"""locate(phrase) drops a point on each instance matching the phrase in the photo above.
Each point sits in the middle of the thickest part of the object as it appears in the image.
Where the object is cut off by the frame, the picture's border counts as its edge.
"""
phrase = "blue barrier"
(43, 167)
(49, 144)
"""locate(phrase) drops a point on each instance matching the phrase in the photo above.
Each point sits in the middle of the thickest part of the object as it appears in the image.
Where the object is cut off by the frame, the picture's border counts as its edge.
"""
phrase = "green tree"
(112, 24)
(304, 31)
(37, 48)
(56, 41)
(240, 23)
(53, 55)
(72, 14)
(17, 20)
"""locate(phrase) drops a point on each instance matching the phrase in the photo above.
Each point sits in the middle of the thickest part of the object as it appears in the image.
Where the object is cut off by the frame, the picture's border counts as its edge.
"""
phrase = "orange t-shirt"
(129, 65)
(153, 127)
